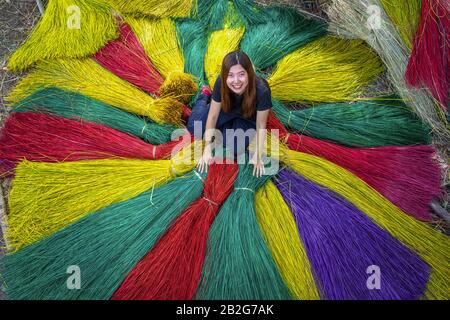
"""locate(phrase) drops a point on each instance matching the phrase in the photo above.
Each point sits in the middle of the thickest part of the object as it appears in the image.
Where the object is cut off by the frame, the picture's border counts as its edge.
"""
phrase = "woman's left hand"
(258, 166)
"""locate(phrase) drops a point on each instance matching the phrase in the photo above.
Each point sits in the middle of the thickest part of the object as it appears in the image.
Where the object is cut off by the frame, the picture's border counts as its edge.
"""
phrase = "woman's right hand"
(205, 160)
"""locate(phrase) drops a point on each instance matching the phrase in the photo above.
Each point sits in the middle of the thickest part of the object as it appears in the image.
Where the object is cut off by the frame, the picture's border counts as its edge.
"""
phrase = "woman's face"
(237, 79)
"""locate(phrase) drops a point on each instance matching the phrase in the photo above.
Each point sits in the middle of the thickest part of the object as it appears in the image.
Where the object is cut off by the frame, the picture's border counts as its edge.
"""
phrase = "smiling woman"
(239, 108)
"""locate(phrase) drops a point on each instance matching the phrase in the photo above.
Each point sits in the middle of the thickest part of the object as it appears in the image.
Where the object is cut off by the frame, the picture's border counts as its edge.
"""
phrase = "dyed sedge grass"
(326, 70)
(126, 58)
(106, 245)
(89, 78)
(220, 43)
(48, 138)
(72, 105)
(286, 247)
(348, 18)
(193, 41)
(405, 15)
(155, 8)
(429, 63)
(384, 121)
(172, 269)
(237, 243)
(46, 197)
(284, 31)
(428, 243)
(160, 42)
(68, 29)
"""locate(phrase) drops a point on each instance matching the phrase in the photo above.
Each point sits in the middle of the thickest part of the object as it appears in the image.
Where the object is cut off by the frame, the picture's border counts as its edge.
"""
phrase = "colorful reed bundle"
(160, 42)
(46, 197)
(155, 8)
(126, 58)
(326, 70)
(220, 43)
(350, 16)
(238, 264)
(72, 105)
(280, 232)
(212, 13)
(250, 13)
(408, 176)
(285, 31)
(47, 138)
(365, 123)
(342, 243)
(429, 244)
(105, 245)
(173, 268)
(68, 29)
(89, 78)
(398, 173)
(193, 41)
(405, 15)
(429, 63)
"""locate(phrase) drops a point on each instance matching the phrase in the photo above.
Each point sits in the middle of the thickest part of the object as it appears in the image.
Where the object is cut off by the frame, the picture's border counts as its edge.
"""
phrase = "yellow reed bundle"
(89, 78)
(405, 15)
(68, 29)
(282, 237)
(155, 8)
(431, 245)
(220, 43)
(46, 197)
(160, 42)
(327, 70)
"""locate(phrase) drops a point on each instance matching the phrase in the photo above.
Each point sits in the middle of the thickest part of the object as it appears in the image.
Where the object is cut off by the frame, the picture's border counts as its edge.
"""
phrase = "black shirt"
(263, 97)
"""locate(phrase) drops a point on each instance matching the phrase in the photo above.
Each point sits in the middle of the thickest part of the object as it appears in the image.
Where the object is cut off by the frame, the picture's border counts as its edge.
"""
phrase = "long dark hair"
(249, 95)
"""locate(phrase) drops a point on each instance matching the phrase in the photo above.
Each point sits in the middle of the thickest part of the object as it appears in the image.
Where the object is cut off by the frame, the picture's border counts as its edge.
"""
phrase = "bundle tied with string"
(326, 70)
(47, 138)
(72, 105)
(46, 197)
(173, 268)
(220, 43)
(383, 121)
(398, 173)
(430, 245)
(159, 40)
(280, 232)
(408, 175)
(349, 17)
(342, 243)
(106, 244)
(405, 15)
(68, 29)
(284, 31)
(126, 58)
(429, 63)
(237, 243)
(89, 78)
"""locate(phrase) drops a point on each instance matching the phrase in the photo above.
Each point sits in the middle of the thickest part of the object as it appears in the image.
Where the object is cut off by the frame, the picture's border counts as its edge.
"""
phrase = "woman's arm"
(213, 115)
(261, 125)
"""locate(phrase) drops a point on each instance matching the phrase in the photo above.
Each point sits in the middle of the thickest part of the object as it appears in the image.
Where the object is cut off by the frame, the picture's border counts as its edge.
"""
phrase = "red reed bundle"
(48, 138)
(126, 58)
(429, 63)
(406, 175)
(172, 269)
